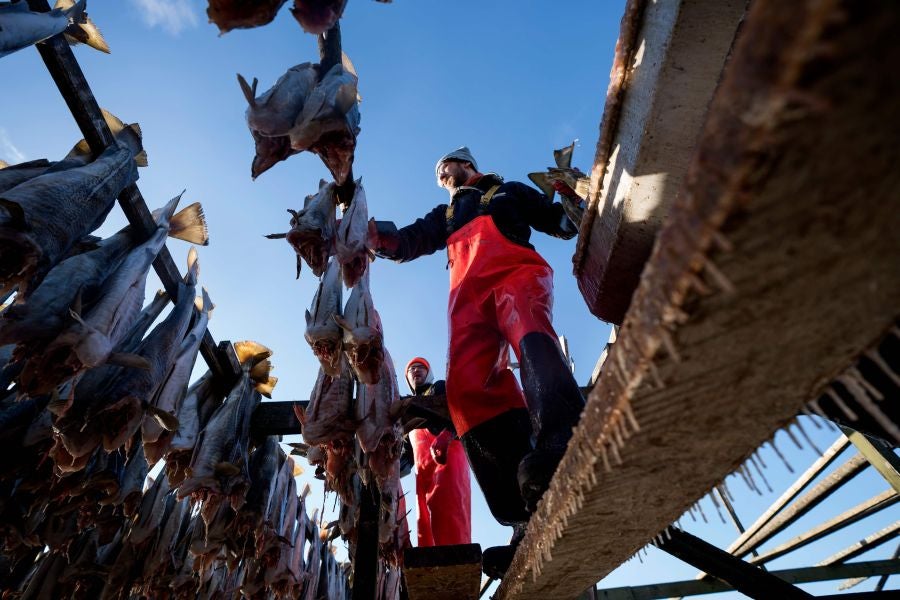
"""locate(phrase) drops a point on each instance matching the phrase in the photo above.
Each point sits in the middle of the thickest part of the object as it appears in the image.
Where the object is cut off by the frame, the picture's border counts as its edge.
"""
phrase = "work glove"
(440, 447)
(563, 189)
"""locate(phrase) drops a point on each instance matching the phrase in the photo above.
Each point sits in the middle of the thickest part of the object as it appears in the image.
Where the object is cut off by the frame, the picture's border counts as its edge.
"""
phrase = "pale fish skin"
(274, 113)
(323, 334)
(265, 462)
(329, 122)
(330, 413)
(351, 244)
(80, 278)
(120, 413)
(192, 416)
(20, 27)
(37, 227)
(90, 340)
(363, 337)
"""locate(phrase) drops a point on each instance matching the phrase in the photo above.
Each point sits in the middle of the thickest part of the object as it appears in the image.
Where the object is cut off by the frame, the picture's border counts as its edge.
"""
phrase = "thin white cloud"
(171, 15)
(8, 150)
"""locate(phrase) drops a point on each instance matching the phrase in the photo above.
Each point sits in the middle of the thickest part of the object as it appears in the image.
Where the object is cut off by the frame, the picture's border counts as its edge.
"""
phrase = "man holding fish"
(501, 295)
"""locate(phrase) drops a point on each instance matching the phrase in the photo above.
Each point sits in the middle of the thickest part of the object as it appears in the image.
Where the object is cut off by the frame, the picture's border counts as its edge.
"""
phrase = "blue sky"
(512, 80)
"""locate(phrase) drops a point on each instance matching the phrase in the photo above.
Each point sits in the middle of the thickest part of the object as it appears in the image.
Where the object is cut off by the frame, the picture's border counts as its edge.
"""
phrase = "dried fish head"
(318, 16)
(240, 14)
(312, 229)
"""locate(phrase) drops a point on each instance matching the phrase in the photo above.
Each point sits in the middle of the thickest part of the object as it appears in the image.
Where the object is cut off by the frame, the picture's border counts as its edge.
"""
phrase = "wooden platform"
(443, 572)
(777, 267)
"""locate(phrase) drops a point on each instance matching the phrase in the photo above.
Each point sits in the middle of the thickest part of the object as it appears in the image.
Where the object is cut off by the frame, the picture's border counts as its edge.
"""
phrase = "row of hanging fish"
(315, 16)
(21, 27)
(306, 110)
(355, 437)
(93, 533)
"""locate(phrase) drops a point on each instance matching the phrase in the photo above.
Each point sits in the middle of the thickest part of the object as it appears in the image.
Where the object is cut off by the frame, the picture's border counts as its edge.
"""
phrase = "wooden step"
(443, 572)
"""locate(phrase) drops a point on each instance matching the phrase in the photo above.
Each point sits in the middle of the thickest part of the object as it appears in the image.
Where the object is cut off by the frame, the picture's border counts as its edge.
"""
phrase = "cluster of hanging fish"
(315, 16)
(20, 27)
(220, 521)
(351, 426)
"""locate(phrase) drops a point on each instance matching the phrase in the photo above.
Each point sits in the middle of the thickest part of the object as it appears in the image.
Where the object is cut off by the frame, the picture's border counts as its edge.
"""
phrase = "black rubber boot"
(495, 561)
(554, 404)
(494, 450)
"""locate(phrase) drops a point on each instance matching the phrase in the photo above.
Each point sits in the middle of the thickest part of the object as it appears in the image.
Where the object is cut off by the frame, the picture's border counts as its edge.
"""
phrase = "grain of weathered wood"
(778, 266)
(670, 73)
(443, 572)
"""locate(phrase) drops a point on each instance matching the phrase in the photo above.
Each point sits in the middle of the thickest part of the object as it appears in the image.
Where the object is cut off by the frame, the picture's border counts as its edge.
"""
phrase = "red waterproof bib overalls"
(443, 494)
(499, 291)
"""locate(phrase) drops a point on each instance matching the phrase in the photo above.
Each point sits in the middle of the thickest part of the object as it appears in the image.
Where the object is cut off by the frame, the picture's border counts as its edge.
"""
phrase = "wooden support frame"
(798, 575)
(72, 84)
(743, 577)
(879, 454)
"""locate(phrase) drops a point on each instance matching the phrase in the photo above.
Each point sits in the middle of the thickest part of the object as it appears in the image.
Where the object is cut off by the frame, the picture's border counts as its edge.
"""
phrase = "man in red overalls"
(501, 295)
(442, 473)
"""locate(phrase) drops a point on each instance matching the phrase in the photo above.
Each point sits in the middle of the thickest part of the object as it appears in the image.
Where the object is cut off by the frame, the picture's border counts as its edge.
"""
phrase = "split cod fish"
(329, 122)
(318, 16)
(351, 244)
(323, 334)
(241, 14)
(80, 154)
(43, 217)
(363, 337)
(123, 406)
(572, 177)
(329, 414)
(90, 340)
(219, 464)
(312, 229)
(79, 279)
(21, 27)
(169, 396)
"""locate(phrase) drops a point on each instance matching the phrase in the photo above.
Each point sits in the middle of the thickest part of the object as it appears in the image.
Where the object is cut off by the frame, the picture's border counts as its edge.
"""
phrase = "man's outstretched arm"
(426, 236)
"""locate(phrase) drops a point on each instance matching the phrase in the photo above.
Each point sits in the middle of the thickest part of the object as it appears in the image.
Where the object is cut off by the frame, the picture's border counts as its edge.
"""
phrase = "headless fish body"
(330, 414)
(351, 244)
(323, 334)
(20, 27)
